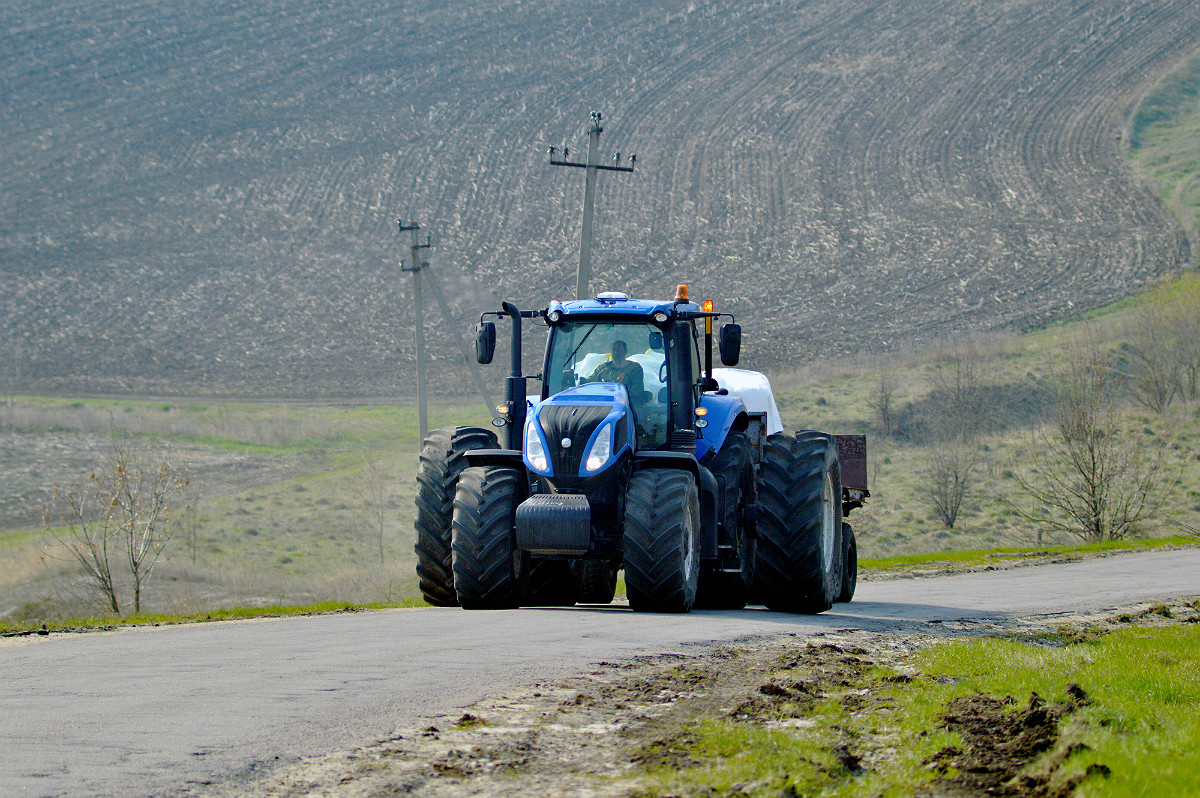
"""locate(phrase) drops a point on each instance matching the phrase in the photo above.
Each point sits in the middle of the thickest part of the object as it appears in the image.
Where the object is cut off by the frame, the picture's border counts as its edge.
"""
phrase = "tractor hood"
(579, 433)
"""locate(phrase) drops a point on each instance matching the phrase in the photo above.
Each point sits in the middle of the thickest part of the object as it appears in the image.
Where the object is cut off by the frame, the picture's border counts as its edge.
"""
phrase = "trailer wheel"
(486, 561)
(442, 461)
(726, 584)
(551, 583)
(662, 540)
(849, 564)
(597, 581)
(799, 529)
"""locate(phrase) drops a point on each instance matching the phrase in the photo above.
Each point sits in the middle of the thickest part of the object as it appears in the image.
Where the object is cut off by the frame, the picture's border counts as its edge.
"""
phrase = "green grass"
(1141, 722)
(971, 557)
(1166, 143)
(225, 614)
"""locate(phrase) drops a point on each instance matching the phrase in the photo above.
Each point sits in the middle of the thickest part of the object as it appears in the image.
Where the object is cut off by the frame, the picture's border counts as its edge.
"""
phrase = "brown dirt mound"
(1000, 743)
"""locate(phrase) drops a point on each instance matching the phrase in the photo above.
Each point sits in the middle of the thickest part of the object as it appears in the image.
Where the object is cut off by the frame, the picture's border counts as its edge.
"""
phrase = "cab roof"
(615, 304)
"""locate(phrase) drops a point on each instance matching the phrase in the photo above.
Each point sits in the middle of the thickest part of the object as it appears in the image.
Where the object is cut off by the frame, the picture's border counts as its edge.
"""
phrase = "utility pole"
(418, 323)
(591, 166)
(417, 268)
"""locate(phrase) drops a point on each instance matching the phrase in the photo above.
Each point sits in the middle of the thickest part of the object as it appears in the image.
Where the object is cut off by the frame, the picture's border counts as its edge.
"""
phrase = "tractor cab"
(651, 350)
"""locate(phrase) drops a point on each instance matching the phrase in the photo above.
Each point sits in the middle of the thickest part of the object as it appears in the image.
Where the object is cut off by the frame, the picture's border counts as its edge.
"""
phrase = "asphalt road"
(169, 710)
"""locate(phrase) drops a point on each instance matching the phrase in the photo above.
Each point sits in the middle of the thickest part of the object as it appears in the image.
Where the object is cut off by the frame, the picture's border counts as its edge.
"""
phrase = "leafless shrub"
(1095, 481)
(960, 404)
(958, 413)
(117, 522)
(371, 493)
(949, 479)
(882, 402)
(1163, 344)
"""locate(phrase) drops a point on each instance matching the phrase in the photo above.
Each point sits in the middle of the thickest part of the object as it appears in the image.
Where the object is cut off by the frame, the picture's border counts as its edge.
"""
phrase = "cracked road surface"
(179, 710)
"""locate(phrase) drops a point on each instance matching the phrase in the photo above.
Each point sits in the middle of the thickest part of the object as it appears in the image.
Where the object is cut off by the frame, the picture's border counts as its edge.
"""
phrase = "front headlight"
(534, 451)
(601, 450)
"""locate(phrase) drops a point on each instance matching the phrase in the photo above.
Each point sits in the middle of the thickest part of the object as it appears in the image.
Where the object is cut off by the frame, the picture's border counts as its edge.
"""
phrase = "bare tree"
(882, 401)
(960, 403)
(958, 413)
(1163, 346)
(1095, 481)
(189, 518)
(949, 480)
(371, 492)
(89, 533)
(1185, 315)
(1153, 369)
(10, 379)
(145, 505)
(126, 508)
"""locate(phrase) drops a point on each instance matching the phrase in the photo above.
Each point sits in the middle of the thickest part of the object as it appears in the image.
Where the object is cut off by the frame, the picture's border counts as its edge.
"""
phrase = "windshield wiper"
(571, 356)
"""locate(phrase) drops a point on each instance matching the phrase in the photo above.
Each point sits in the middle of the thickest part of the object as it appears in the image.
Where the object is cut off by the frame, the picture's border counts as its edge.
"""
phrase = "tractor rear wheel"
(849, 564)
(662, 540)
(799, 529)
(486, 561)
(726, 584)
(597, 581)
(442, 461)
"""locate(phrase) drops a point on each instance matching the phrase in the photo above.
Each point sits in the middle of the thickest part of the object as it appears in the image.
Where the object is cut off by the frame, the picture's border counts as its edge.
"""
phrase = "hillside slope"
(203, 196)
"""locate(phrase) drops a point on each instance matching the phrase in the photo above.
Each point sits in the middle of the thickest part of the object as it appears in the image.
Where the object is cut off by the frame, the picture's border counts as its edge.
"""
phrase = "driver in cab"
(621, 370)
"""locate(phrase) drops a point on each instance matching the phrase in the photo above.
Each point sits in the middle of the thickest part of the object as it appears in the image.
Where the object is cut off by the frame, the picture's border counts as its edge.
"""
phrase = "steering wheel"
(662, 371)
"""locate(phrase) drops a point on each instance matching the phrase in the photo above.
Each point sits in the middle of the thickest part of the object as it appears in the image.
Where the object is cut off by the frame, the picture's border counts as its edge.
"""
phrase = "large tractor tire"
(662, 540)
(442, 461)
(726, 584)
(597, 581)
(849, 564)
(799, 525)
(550, 583)
(486, 562)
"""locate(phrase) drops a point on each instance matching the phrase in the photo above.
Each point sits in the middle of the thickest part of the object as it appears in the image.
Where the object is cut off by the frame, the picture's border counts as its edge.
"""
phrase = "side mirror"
(731, 344)
(485, 342)
(654, 340)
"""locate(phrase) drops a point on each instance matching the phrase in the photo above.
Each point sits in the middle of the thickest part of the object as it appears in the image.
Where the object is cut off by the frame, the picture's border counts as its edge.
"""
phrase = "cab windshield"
(630, 354)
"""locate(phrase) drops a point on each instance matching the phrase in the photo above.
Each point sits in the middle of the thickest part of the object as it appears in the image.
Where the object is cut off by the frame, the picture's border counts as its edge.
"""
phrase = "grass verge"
(1083, 712)
(972, 558)
(97, 622)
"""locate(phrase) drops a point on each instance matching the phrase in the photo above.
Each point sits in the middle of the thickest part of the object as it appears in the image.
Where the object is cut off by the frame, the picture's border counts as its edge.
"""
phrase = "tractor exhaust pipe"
(515, 393)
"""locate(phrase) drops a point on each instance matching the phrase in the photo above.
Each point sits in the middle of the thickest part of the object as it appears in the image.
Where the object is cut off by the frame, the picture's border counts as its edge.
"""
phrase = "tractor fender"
(722, 414)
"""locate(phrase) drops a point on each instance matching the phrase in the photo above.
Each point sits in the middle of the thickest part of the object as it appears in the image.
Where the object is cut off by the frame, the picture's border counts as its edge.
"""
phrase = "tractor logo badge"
(566, 443)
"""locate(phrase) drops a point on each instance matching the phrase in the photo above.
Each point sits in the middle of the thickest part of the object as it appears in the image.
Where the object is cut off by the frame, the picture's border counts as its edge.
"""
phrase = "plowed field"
(203, 196)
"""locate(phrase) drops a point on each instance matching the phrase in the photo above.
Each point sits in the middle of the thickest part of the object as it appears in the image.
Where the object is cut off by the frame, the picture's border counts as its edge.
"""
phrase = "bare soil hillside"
(202, 196)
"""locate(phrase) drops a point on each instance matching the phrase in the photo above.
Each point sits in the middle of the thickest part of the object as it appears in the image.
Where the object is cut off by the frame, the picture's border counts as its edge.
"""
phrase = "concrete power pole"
(591, 167)
(418, 324)
(418, 266)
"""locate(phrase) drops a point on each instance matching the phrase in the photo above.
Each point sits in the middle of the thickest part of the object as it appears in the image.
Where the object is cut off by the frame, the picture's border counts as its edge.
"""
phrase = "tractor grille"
(576, 422)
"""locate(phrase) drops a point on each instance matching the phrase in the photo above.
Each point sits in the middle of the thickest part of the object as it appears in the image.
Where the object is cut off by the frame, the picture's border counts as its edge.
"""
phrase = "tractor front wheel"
(662, 540)
(486, 561)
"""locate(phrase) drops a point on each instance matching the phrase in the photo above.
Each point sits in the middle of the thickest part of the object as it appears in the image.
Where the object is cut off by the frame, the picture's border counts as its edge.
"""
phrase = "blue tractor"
(636, 455)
